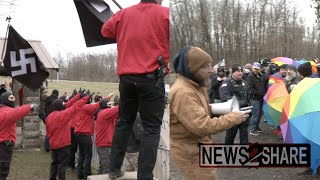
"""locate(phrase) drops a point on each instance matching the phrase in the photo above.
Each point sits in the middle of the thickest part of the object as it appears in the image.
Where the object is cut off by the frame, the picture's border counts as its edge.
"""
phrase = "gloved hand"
(82, 95)
(91, 95)
(34, 106)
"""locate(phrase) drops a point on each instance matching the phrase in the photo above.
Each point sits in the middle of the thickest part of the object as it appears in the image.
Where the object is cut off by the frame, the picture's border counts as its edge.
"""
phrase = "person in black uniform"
(216, 82)
(236, 86)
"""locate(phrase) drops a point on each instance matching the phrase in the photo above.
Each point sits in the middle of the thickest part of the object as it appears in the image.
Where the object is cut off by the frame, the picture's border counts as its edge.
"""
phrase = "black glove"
(91, 95)
(82, 95)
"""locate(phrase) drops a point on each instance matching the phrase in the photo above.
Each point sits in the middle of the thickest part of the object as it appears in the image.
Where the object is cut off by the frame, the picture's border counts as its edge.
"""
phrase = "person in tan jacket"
(190, 115)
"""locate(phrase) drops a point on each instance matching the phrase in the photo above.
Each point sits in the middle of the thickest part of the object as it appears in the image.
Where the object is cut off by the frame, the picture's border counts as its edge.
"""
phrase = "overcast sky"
(57, 25)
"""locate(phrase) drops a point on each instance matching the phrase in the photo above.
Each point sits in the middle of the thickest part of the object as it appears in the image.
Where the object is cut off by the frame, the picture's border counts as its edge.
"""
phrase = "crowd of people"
(199, 83)
(86, 116)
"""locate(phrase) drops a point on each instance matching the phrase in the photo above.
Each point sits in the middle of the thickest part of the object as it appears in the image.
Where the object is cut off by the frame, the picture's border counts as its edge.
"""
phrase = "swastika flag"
(22, 63)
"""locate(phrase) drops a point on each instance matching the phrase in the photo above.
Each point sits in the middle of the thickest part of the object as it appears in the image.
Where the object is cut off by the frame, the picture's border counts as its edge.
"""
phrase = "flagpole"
(5, 38)
(117, 4)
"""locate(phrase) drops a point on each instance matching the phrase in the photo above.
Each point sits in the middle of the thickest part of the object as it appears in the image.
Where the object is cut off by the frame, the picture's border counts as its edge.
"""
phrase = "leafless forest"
(242, 31)
(87, 67)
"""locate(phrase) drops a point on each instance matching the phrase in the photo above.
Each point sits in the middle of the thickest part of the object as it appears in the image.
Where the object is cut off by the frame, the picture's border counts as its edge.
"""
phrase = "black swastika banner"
(22, 63)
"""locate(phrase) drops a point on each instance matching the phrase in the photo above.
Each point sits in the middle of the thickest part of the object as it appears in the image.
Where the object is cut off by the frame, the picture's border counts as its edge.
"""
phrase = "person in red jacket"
(74, 144)
(58, 132)
(8, 118)
(106, 121)
(84, 130)
(142, 35)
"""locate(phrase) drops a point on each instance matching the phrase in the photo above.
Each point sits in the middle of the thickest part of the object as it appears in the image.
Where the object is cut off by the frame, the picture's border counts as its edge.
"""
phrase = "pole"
(5, 38)
(117, 4)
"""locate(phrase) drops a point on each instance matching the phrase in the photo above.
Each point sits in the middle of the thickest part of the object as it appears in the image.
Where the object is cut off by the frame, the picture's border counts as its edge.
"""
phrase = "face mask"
(246, 71)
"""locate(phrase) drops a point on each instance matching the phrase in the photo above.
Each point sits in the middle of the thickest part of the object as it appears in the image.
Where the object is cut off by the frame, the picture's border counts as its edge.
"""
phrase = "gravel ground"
(246, 173)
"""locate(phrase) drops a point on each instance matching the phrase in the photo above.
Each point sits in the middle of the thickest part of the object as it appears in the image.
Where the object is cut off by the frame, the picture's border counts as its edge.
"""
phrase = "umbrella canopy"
(302, 61)
(313, 65)
(284, 60)
(300, 122)
(274, 100)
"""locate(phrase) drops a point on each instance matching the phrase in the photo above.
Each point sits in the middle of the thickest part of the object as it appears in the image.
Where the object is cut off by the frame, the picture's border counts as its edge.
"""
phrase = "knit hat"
(236, 67)
(58, 105)
(256, 65)
(55, 92)
(5, 99)
(292, 67)
(189, 60)
(197, 58)
(305, 69)
(104, 103)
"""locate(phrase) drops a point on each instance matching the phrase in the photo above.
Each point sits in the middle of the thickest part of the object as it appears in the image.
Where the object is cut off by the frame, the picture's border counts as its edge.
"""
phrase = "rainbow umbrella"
(274, 99)
(312, 63)
(314, 67)
(300, 122)
(284, 60)
(275, 78)
(302, 61)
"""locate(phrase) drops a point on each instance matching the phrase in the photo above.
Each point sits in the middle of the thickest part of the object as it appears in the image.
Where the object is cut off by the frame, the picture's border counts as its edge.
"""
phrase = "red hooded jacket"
(8, 118)
(106, 122)
(84, 121)
(58, 129)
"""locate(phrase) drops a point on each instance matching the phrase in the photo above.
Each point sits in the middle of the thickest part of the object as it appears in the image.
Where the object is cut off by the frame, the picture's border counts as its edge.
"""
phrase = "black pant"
(73, 150)
(6, 150)
(138, 91)
(59, 162)
(243, 130)
(85, 155)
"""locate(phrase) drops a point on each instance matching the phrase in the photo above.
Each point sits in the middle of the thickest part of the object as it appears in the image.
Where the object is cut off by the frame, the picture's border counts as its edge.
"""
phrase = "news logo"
(254, 155)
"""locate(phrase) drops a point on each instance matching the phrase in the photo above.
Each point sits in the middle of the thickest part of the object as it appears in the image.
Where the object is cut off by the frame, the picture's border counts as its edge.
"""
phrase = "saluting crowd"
(71, 122)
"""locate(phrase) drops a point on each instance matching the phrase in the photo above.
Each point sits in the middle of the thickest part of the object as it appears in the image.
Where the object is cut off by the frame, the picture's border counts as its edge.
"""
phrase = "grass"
(35, 163)
(62, 86)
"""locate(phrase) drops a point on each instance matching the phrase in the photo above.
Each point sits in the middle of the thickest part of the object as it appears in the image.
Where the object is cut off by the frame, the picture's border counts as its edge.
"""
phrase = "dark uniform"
(229, 88)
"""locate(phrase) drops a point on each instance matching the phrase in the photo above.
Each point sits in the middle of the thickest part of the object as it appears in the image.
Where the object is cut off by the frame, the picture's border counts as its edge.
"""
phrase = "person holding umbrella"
(292, 77)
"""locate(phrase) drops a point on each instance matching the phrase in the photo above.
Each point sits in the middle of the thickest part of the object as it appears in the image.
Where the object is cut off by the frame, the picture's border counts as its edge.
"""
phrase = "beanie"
(5, 99)
(58, 105)
(103, 103)
(305, 69)
(236, 67)
(55, 92)
(256, 65)
(197, 58)
(292, 67)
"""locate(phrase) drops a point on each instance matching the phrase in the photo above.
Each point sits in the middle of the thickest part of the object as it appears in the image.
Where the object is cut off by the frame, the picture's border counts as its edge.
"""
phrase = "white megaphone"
(225, 107)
